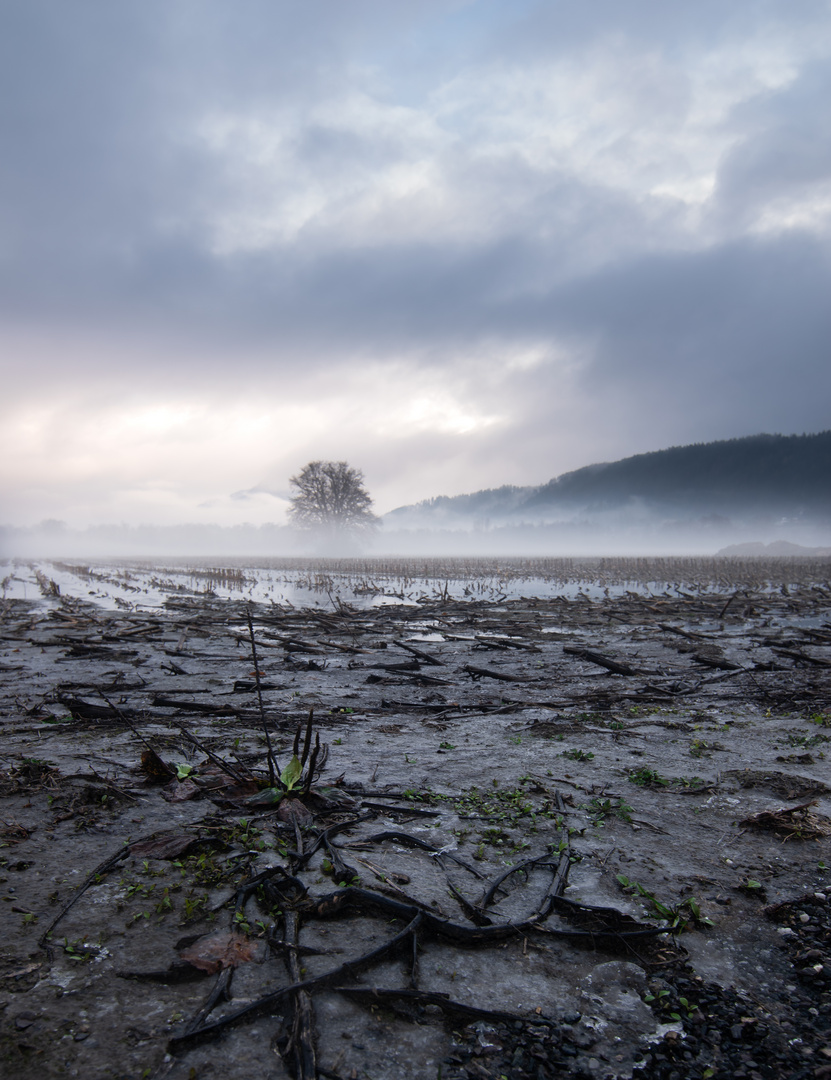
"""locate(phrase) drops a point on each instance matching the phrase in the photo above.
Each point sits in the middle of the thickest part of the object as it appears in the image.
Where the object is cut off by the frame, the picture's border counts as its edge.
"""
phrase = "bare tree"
(331, 498)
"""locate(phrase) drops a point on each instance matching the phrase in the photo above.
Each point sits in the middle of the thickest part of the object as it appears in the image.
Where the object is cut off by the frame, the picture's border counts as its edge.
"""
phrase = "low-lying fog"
(603, 535)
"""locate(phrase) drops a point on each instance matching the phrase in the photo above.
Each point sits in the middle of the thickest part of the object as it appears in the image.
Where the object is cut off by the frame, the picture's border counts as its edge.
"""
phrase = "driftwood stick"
(489, 673)
(599, 659)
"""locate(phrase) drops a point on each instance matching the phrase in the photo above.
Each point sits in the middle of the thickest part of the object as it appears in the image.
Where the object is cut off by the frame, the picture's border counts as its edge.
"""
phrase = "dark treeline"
(779, 468)
(787, 473)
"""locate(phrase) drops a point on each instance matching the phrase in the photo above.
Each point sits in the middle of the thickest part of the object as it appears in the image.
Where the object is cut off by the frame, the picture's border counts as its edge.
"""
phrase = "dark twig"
(413, 841)
(488, 895)
(308, 740)
(272, 767)
(442, 1001)
(221, 991)
(310, 772)
(265, 1004)
(108, 864)
(301, 1045)
(220, 764)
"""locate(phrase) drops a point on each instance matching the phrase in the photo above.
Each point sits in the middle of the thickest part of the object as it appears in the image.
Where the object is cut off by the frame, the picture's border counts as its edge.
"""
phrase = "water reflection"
(366, 583)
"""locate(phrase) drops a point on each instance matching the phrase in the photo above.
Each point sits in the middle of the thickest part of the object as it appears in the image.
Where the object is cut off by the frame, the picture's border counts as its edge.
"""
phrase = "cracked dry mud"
(647, 774)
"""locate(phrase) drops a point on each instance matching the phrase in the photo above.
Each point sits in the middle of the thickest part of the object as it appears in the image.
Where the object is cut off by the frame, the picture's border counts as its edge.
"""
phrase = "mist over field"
(765, 490)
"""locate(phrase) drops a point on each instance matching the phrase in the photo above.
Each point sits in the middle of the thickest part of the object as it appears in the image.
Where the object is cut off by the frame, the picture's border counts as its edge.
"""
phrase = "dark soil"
(540, 837)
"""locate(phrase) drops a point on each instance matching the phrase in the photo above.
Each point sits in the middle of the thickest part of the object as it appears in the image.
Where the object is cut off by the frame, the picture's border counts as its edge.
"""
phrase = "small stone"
(804, 917)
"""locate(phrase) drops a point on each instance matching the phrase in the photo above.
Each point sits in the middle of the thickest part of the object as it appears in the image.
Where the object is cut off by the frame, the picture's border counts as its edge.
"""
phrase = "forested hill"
(770, 468)
(787, 473)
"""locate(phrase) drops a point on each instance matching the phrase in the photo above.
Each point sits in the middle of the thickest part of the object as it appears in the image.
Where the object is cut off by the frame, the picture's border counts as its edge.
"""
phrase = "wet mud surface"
(539, 837)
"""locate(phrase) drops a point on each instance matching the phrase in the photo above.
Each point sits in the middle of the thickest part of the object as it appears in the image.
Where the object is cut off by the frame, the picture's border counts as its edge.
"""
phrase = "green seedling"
(447, 746)
(645, 777)
(194, 905)
(297, 776)
(73, 951)
(679, 916)
(183, 771)
(600, 809)
(578, 755)
(241, 923)
(164, 903)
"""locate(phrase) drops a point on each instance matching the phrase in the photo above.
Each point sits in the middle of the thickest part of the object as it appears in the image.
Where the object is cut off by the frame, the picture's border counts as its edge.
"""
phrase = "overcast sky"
(457, 244)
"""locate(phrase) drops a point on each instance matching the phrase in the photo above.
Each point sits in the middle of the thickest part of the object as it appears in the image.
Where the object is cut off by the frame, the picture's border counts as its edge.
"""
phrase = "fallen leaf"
(180, 791)
(154, 768)
(225, 949)
(162, 847)
(293, 810)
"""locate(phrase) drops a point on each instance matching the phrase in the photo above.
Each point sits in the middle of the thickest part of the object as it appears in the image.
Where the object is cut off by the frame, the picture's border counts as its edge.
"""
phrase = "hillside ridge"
(791, 473)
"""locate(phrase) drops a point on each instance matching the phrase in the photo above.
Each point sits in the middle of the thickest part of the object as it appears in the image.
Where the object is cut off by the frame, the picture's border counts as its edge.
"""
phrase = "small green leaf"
(266, 796)
(183, 771)
(292, 773)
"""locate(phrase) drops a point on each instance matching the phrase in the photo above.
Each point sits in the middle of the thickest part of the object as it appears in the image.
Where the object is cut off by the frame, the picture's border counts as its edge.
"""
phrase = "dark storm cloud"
(101, 192)
(627, 203)
(736, 335)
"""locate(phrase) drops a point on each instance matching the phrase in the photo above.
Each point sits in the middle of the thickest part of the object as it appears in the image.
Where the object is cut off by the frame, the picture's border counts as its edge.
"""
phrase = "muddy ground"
(552, 837)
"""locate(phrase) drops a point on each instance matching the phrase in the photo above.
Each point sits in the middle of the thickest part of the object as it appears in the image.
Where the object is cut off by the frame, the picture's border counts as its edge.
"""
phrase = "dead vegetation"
(440, 895)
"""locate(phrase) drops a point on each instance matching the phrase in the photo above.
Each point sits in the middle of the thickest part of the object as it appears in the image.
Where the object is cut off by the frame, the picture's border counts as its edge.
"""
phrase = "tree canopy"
(330, 497)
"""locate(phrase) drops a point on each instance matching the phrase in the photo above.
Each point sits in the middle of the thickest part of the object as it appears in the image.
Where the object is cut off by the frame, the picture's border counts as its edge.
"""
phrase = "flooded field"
(458, 819)
(371, 582)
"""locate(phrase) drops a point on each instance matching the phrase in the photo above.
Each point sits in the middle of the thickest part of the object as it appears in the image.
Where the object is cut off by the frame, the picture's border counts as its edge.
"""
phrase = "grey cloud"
(550, 29)
(105, 191)
(730, 340)
(786, 149)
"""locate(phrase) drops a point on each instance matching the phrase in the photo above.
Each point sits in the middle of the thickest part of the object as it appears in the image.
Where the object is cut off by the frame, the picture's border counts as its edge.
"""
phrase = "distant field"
(366, 582)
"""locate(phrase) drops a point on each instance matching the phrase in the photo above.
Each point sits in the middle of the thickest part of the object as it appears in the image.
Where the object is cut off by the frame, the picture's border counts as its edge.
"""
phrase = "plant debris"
(325, 842)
